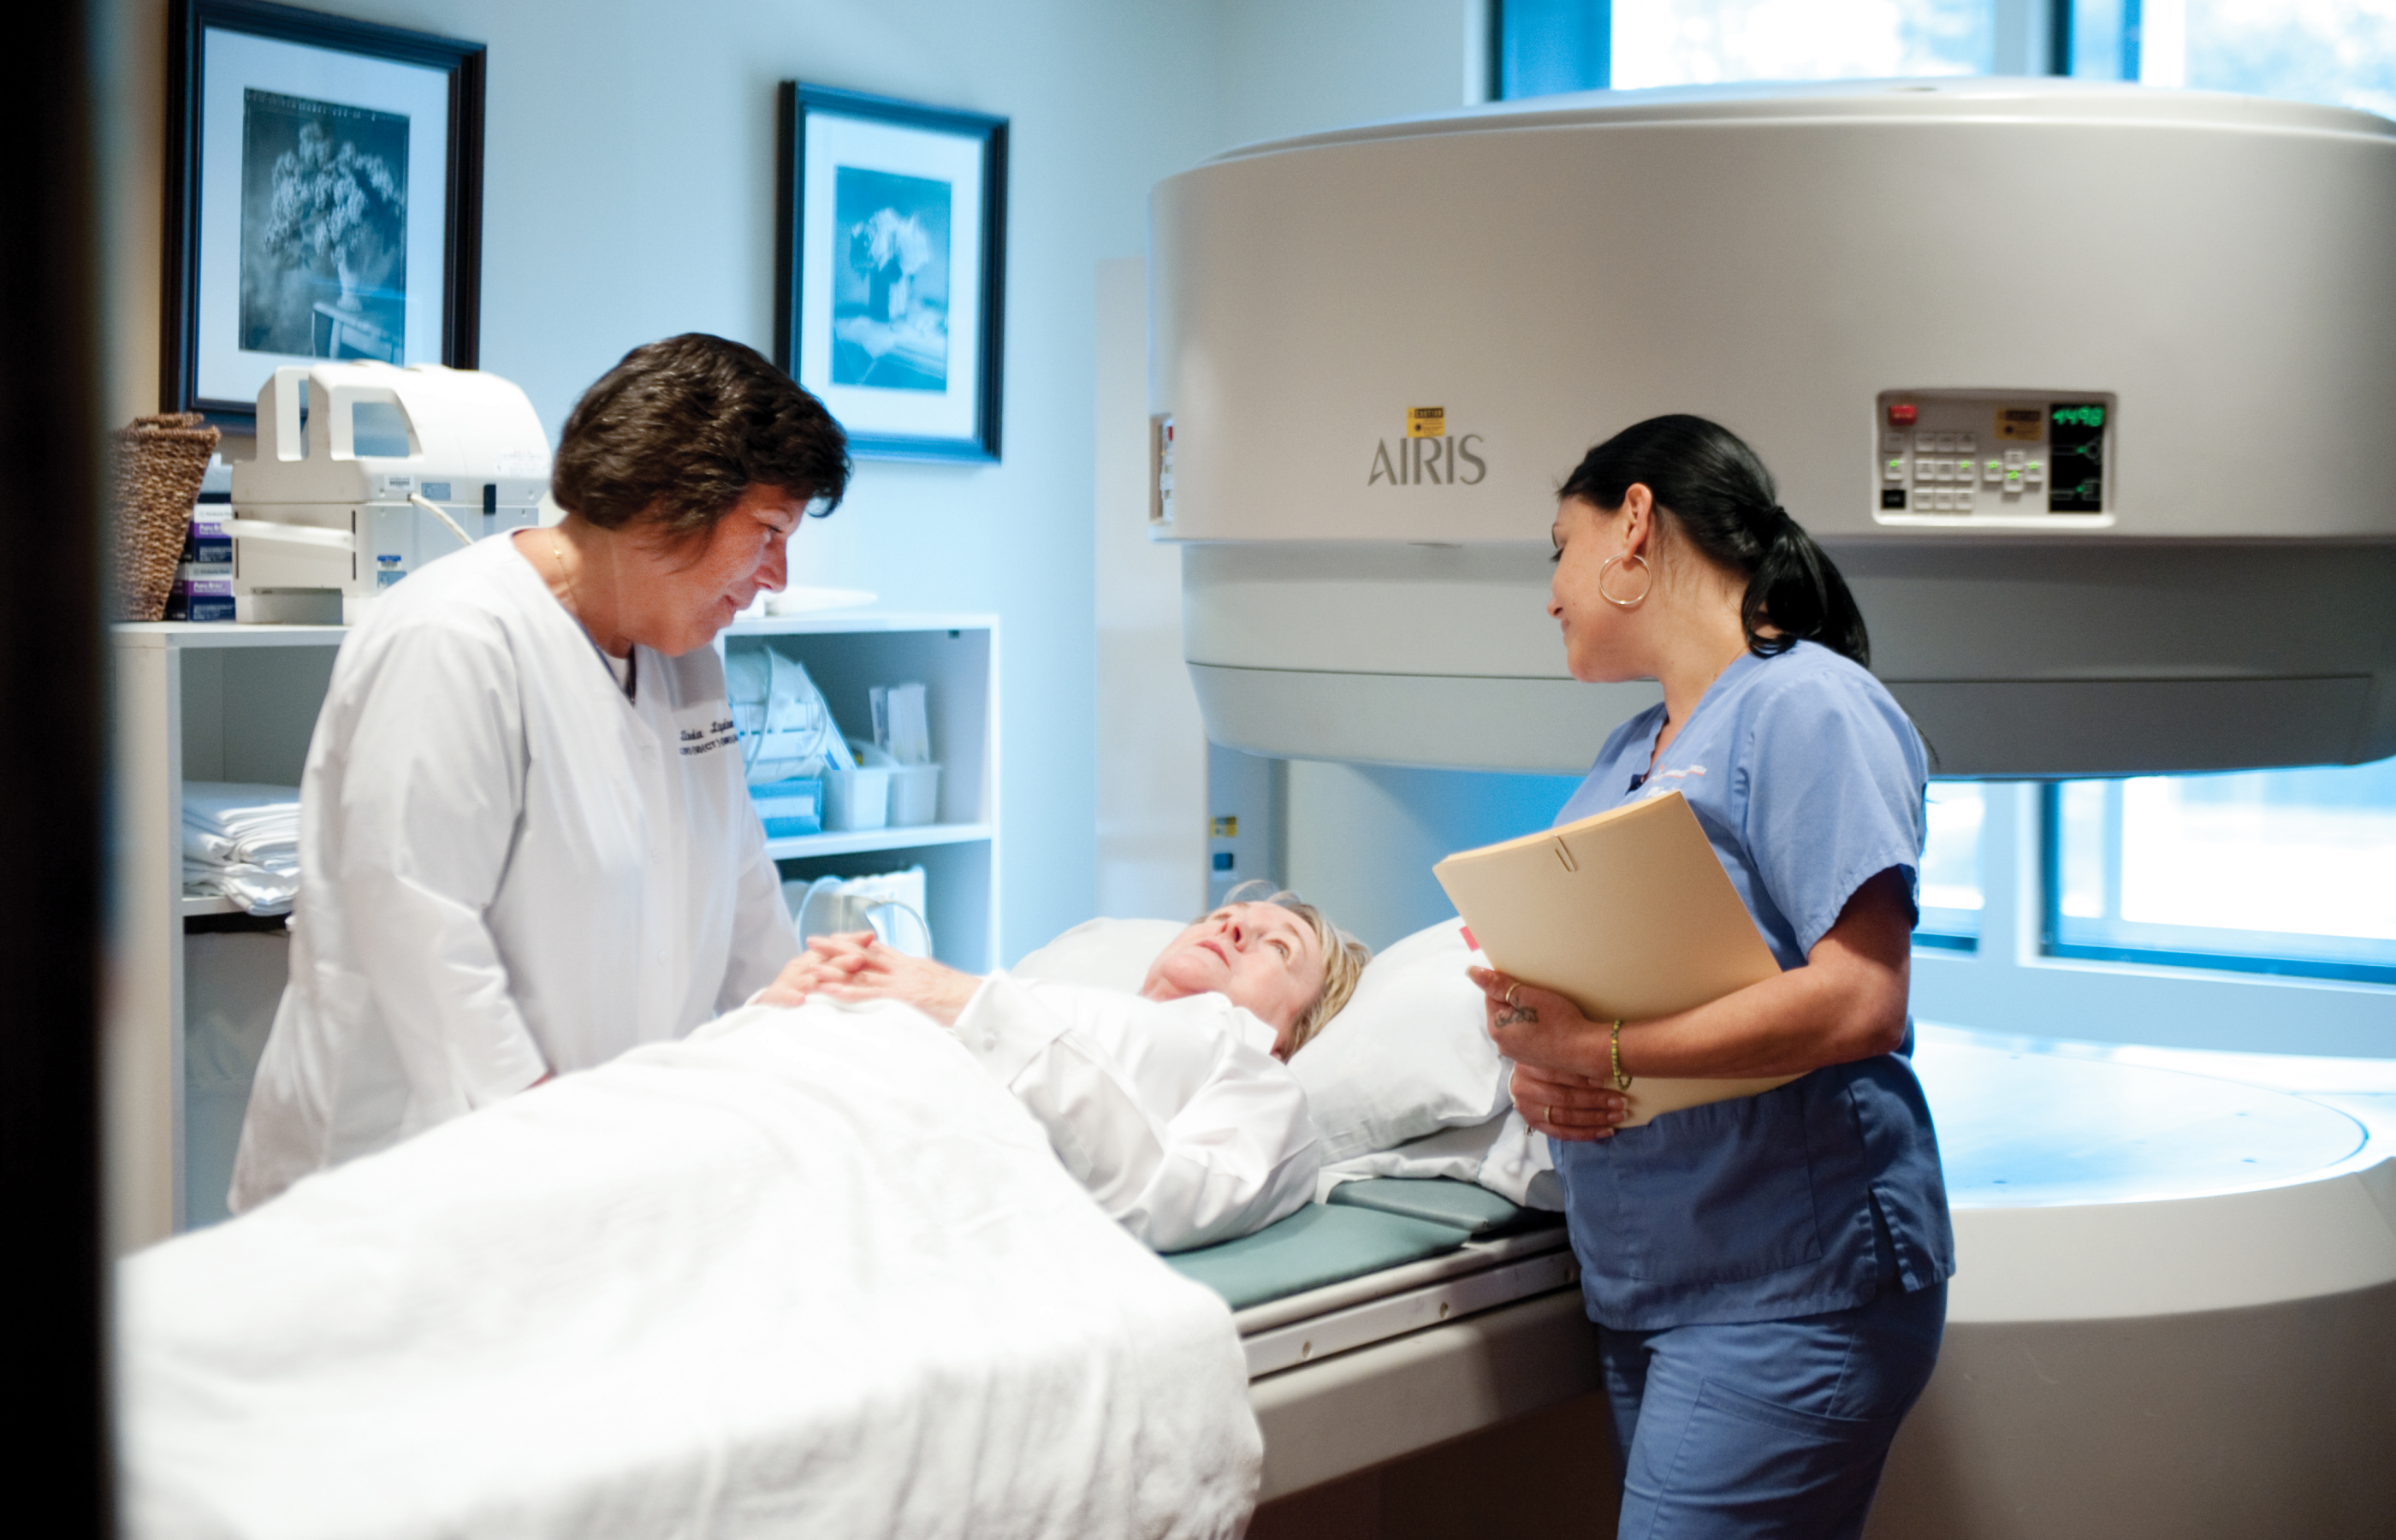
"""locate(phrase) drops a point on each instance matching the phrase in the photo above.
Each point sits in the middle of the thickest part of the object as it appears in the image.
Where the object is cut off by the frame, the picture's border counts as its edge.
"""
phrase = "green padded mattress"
(1471, 1208)
(1320, 1245)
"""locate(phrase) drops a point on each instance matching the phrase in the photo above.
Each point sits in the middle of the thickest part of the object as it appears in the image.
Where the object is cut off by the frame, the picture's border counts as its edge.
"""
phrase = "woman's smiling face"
(689, 591)
(1586, 540)
(1265, 958)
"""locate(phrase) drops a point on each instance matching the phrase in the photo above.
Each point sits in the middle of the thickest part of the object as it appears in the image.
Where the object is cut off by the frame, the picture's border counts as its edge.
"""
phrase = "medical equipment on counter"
(365, 472)
(2083, 385)
(786, 729)
(892, 905)
(2182, 558)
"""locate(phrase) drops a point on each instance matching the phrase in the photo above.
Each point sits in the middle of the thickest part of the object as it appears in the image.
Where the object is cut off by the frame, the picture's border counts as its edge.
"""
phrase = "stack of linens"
(241, 842)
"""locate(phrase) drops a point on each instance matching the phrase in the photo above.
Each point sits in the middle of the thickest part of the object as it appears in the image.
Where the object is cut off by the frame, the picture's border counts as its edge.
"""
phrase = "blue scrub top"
(1808, 779)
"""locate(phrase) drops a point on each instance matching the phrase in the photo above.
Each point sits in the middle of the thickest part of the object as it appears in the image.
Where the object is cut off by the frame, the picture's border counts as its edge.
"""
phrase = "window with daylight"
(2342, 52)
(2289, 871)
(1543, 46)
(1951, 892)
(1704, 42)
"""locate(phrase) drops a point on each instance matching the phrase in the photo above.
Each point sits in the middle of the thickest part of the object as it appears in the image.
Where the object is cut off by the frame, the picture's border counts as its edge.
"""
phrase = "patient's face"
(1263, 956)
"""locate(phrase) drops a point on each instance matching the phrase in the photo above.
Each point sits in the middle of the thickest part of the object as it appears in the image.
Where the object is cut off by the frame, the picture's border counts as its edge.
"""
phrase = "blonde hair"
(1343, 957)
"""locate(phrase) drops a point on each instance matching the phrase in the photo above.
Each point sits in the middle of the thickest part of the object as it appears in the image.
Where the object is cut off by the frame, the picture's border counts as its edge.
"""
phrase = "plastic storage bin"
(914, 794)
(857, 799)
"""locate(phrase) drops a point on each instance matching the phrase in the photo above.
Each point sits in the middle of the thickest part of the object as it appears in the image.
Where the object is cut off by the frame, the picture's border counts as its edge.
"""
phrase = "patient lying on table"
(1172, 1106)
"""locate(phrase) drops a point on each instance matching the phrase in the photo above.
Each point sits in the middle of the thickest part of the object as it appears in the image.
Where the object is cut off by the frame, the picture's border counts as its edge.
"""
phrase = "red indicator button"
(1901, 415)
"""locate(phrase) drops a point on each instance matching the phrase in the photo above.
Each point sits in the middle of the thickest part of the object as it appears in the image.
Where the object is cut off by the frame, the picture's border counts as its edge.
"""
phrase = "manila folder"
(1628, 914)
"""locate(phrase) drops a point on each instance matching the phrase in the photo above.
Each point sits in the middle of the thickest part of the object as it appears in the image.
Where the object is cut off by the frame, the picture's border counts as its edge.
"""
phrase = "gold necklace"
(574, 607)
(558, 552)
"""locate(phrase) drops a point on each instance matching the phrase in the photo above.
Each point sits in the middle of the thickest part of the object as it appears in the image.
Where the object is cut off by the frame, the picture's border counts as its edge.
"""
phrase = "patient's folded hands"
(858, 966)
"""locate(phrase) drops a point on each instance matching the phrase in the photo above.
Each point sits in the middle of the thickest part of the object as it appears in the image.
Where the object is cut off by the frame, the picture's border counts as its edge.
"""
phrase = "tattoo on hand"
(1508, 1016)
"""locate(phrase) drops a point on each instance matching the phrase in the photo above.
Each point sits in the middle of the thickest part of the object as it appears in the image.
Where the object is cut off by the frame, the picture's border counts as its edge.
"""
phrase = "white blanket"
(809, 1272)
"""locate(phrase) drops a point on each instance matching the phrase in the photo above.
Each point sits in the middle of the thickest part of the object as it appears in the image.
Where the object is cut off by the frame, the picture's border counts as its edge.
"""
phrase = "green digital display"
(2076, 469)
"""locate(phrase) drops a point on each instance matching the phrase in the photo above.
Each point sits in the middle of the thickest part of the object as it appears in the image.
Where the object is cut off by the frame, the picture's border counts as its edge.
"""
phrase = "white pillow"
(1408, 1056)
(1411, 1053)
(1111, 953)
(1503, 1155)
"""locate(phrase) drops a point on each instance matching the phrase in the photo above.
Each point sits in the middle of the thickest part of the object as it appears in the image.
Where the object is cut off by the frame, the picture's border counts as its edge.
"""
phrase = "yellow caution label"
(2021, 424)
(1426, 422)
(1226, 828)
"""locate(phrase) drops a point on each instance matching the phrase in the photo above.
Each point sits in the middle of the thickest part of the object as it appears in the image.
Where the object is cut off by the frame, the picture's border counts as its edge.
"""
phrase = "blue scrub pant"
(1778, 1429)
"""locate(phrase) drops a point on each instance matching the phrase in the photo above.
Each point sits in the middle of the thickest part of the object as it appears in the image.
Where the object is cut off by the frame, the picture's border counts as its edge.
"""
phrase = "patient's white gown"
(1175, 1114)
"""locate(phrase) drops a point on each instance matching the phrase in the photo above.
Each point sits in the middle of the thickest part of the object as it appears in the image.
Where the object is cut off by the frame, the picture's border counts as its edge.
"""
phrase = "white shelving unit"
(233, 702)
(193, 702)
(955, 656)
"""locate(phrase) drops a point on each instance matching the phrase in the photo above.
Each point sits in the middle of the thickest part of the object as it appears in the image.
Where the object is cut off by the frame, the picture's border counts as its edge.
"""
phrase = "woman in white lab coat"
(525, 843)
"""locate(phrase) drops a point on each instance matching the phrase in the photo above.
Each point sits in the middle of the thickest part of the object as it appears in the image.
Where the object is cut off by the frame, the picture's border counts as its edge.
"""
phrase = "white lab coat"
(507, 869)
(1175, 1114)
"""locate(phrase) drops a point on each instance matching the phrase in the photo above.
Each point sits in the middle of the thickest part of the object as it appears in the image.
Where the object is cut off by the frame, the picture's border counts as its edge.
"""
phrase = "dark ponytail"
(1712, 491)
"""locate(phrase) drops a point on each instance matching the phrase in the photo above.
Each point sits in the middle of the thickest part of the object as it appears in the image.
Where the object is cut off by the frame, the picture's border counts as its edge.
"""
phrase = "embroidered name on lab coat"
(716, 733)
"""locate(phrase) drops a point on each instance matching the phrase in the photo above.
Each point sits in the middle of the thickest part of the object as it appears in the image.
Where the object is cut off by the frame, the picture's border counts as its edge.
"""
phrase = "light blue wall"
(1300, 66)
(1361, 839)
(629, 194)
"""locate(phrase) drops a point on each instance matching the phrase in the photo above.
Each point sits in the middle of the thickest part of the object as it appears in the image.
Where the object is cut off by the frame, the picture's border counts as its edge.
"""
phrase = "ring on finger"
(1510, 990)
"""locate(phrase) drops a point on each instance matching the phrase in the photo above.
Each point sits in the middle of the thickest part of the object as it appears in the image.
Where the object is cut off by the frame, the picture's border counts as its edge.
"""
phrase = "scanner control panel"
(1983, 457)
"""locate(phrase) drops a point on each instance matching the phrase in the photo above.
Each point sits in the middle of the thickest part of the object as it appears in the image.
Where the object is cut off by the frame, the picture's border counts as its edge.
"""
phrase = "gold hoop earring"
(1625, 603)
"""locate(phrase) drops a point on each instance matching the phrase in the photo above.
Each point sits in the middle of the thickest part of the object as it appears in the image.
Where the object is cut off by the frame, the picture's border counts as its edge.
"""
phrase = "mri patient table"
(1399, 1315)
(2174, 1313)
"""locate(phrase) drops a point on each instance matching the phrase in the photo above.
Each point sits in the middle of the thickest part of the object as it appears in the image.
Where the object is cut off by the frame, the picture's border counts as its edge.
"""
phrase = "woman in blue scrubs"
(1767, 1273)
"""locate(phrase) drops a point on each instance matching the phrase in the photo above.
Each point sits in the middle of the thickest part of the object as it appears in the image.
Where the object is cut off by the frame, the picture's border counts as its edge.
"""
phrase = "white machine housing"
(319, 525)
(1377, 351)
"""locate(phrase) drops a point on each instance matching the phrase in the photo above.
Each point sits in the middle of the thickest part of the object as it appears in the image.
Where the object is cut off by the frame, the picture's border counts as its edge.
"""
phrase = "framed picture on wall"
(324, 199)
(893, 246)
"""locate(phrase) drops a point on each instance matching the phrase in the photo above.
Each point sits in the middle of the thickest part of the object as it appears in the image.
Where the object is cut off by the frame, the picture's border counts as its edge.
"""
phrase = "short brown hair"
(680, 429)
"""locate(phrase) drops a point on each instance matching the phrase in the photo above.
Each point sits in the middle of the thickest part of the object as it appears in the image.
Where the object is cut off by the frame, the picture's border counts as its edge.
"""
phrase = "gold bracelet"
(1621, 1081)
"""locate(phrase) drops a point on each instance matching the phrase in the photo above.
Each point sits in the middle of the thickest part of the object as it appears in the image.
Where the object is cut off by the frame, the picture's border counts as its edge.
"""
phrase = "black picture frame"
(183, 343)
(818, 345)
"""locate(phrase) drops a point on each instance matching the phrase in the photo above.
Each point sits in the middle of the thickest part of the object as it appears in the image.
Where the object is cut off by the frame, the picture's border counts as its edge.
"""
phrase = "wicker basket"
(158, 463)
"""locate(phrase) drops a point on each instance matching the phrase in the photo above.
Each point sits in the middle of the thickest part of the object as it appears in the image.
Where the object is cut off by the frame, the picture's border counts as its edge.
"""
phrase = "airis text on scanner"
(1426, 455)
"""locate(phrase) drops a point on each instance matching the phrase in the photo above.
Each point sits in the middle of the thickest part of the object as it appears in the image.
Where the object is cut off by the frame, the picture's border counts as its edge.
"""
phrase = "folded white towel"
(270, 848)
(236, 808)
(241, 840)
(253, 889)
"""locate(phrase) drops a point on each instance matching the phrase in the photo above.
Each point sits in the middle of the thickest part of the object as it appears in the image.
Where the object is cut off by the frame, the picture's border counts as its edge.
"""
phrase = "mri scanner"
(2086, 389)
